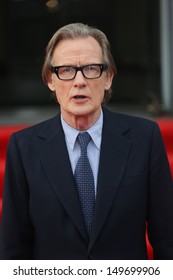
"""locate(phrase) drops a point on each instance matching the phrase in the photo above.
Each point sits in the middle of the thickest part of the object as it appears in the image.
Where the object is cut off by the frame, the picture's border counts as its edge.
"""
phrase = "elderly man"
(87, 183)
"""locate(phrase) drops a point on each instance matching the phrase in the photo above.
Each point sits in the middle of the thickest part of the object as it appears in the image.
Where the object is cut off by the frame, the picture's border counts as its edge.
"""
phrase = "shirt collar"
(95, 132)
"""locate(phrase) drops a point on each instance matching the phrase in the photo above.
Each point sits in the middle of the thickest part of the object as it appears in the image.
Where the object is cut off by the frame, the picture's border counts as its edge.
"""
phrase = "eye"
(92, 68)
(66, 69)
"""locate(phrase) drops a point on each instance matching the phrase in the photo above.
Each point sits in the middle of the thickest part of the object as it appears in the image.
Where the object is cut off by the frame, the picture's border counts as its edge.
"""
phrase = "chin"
(82, 113)
(91, 114)
(81, 110)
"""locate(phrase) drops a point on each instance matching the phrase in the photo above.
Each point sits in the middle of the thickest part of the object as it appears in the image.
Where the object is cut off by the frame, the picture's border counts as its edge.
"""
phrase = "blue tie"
(85, 182)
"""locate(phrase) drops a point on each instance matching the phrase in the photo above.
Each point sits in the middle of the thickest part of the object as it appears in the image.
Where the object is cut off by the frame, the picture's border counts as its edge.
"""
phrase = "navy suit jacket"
(42, 216)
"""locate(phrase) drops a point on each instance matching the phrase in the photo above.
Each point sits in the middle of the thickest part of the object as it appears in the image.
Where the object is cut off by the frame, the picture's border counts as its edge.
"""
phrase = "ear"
(51, 83)
(108, 80)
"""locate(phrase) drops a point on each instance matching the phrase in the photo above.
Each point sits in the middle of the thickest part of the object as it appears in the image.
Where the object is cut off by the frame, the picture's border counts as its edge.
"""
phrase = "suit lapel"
(54, 156)
(115, 149)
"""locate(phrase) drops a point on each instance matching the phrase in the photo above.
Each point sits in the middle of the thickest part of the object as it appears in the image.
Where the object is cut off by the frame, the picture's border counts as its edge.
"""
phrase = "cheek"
(62, 93)
(60, 90)
(58, 93)
(101, 89)
(98, 94)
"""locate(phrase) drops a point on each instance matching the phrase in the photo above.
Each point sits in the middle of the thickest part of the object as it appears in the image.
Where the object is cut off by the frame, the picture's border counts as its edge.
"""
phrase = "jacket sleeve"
(160, 202)
(17, 230)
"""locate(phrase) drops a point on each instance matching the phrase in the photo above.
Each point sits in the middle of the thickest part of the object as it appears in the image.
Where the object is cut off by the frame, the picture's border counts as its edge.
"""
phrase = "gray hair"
(79, 30)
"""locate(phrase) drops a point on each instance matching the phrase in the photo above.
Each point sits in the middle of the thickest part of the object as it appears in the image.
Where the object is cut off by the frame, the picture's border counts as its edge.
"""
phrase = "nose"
(79, 80)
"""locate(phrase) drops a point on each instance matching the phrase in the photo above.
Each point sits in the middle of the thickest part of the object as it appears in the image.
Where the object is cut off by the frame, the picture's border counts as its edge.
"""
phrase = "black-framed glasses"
(68, 72)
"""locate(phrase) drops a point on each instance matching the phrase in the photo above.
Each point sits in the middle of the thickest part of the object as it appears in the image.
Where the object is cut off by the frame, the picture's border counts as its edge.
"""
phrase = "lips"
(80, 97)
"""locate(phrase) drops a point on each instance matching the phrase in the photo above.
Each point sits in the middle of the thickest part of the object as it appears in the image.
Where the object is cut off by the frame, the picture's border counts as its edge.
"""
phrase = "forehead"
(77, 50)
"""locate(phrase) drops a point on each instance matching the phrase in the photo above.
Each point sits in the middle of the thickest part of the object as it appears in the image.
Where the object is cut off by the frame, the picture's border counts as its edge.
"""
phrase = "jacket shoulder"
(130, 121)
(36, 128)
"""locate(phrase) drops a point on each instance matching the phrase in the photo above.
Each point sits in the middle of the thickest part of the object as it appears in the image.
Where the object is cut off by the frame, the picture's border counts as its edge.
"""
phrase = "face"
(79, 97)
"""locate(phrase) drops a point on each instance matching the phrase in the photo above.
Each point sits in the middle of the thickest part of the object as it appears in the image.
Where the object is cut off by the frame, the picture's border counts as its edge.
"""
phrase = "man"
(45, 215)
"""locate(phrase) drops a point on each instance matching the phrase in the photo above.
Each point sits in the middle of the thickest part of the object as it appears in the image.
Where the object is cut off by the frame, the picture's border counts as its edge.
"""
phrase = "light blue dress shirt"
(93, 150)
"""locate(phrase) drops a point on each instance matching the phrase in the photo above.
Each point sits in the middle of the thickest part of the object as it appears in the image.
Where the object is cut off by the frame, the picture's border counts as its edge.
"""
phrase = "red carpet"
(166, 127)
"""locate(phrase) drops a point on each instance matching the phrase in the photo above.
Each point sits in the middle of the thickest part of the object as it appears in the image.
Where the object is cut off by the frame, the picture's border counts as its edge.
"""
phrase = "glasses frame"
(55, 69)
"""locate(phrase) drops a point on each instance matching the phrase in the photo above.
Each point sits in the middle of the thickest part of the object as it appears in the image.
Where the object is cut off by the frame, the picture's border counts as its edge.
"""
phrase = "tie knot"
(84, 138)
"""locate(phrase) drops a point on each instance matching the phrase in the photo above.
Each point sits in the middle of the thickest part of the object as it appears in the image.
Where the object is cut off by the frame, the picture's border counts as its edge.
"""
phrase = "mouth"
(80, 99)
(77, 97)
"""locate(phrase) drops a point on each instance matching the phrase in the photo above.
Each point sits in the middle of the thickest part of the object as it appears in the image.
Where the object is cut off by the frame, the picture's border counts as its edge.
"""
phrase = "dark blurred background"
(132, 27)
